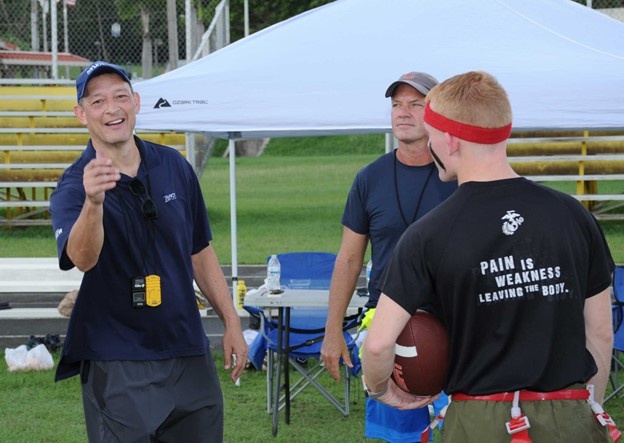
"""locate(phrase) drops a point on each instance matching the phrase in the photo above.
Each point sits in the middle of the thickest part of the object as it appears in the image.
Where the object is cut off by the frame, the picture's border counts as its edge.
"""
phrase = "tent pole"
(390, 142)
(232, 153)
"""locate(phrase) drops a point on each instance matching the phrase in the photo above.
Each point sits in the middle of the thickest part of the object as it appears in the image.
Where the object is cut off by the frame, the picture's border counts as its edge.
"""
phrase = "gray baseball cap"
(418, 80)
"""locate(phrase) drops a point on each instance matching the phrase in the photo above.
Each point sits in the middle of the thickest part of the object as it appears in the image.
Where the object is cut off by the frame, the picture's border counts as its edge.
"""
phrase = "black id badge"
(138, 292)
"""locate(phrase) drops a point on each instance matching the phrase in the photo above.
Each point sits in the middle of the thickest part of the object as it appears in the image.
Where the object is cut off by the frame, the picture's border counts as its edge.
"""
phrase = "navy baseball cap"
(420, 81)
(98, 68)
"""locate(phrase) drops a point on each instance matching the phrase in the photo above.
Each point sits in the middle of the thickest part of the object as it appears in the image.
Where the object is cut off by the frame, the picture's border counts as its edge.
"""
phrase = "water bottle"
(241, 291)
(369, 267)
(273, 275)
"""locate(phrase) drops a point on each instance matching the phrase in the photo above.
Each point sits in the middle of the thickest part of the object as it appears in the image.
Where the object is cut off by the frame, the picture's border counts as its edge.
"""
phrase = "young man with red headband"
(520, 275)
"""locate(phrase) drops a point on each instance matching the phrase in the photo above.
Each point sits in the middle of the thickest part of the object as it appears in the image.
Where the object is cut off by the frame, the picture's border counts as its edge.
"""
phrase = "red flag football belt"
(519, 425)
(563, 394)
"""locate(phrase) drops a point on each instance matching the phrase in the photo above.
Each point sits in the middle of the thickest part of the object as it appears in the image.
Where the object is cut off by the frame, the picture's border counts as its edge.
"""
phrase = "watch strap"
(375, 395)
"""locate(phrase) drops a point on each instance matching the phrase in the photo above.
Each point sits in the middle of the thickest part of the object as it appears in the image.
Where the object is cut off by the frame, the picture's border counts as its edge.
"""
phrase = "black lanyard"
(142, 242)
(420, 197)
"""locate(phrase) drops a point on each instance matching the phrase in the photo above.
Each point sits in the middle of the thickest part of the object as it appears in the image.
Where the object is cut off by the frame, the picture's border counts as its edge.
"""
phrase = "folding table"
(290, 298)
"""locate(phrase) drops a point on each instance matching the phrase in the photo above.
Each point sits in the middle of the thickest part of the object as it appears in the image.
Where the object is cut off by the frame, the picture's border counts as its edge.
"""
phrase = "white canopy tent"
(325, 71)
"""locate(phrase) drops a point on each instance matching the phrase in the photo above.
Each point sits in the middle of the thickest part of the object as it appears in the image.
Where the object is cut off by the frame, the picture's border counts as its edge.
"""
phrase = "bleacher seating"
(39, 138)
(584, 160)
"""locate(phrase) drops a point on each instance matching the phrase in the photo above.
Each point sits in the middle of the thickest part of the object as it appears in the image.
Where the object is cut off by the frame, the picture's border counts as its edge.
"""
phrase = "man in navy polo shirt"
(131, 215)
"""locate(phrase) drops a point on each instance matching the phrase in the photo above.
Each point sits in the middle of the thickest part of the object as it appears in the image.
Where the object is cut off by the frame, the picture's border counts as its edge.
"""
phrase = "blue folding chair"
(304, 335)
(616, 376)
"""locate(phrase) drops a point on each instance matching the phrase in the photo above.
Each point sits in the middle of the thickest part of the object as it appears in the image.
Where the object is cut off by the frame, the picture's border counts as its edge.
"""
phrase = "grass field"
(37, 410)
(285, 202)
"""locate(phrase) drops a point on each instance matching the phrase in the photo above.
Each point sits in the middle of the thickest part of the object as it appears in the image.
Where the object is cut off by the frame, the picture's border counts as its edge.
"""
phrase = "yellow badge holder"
(153, 294)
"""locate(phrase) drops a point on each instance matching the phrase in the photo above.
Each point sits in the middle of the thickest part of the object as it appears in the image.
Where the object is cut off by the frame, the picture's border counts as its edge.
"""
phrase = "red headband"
(476, 134)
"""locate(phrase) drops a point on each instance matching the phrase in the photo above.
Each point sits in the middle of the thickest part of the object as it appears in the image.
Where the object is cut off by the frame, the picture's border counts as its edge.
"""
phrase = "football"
(422, 355)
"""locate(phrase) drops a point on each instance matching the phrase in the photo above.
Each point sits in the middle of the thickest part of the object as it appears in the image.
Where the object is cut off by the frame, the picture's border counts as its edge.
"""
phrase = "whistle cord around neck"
(420, 197)
(131, 230)
(144, 241)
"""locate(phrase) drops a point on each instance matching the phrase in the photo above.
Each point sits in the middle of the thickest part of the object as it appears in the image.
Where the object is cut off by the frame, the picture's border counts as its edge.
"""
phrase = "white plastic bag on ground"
(22, 359)
(16, 358)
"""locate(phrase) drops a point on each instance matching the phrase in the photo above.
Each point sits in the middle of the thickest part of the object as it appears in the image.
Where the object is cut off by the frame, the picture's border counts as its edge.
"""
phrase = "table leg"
(278, 371)
(287, 366)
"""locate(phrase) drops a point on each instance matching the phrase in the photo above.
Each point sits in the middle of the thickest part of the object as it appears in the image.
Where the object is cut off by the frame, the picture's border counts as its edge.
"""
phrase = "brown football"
(422, 355)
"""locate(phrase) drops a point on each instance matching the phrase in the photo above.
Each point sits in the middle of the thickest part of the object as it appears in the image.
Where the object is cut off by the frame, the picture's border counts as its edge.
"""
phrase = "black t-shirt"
(507, 265)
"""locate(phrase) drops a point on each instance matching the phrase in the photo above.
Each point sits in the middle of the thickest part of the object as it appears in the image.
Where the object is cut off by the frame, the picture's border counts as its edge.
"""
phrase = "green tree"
(263, 14)
(127, 9)
(144, 34)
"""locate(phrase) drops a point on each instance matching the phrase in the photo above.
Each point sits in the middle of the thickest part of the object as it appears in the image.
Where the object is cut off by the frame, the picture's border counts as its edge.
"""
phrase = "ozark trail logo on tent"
(162, 103)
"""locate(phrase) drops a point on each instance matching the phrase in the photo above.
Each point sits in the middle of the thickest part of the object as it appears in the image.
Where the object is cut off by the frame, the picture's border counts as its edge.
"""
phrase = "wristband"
(375, 395)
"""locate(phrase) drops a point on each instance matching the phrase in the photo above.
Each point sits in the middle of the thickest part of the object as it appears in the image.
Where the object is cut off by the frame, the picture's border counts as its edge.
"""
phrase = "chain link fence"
(147, 37)
(612, 8)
